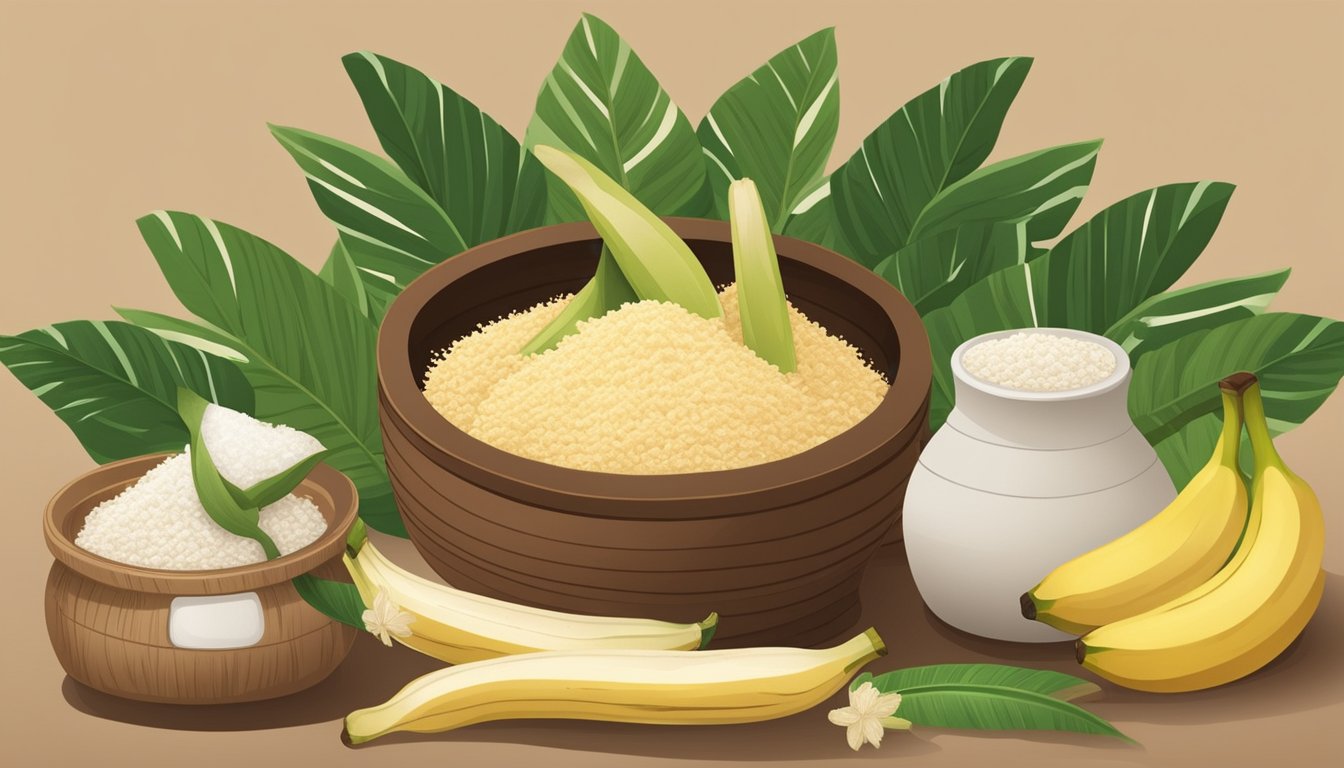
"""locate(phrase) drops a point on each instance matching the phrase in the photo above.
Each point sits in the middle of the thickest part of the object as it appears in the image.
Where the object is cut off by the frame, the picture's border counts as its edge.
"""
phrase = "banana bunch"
(459, 627)
(737, 685)
(1175, 551)
(1246, 613)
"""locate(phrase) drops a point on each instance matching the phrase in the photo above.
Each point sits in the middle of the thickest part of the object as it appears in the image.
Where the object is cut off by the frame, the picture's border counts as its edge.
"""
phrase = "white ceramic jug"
(1016, 483)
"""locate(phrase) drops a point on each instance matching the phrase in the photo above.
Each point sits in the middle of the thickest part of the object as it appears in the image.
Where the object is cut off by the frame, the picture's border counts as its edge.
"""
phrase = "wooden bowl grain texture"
(108, 621)
(778, 549)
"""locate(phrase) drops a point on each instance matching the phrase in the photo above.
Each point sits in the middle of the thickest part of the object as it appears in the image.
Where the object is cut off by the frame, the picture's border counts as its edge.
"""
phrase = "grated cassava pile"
(650, 389)
(159, 522)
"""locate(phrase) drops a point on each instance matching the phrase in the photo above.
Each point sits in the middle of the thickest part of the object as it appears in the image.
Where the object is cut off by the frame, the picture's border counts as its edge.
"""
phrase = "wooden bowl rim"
(120, 474)
(893, 418)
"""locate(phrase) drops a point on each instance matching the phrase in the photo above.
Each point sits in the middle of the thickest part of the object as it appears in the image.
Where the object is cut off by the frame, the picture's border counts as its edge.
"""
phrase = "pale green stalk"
(760, 290)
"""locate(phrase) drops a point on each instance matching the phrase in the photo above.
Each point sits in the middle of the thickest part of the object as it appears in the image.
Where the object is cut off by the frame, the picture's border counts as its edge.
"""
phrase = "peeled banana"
(1249, 612)
(459, 627)
(662, 687)
(1175, 551)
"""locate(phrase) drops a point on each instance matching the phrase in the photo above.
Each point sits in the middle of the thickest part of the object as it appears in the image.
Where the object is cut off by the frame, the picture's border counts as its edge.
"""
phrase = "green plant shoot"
(657, 263)
(760, 290)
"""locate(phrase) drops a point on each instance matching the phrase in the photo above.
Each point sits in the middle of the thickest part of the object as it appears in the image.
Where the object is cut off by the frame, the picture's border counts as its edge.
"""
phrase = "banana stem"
(1258, 428)
(1229, 444)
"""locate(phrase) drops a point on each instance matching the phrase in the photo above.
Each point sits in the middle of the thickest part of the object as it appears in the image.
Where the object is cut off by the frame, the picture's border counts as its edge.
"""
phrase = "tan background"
(113, 109)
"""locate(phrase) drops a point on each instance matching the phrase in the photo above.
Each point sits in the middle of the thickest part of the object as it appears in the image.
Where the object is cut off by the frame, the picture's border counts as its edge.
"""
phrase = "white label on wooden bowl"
(216, 622)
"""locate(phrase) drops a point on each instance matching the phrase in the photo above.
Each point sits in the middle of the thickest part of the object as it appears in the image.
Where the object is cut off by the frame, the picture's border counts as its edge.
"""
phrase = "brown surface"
(108, 621)
(1294, 692)
(116, 109)
(778, 549)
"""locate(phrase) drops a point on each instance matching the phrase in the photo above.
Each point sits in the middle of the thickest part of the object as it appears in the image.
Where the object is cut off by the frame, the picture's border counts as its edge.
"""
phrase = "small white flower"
(862, 719)
(385, 619)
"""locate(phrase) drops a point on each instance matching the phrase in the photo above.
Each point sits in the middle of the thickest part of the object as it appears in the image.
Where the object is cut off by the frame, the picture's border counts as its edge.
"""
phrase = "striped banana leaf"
(813, 219)
(461, 157)
(1041, 188)
(391, 228)
(115, 385)
(932, 271)
(340, 272)
(601, 103)
(935, 140)
(1169, 316)
(307, 351)
(1090, 280)
(1298, 358)
(776, 127)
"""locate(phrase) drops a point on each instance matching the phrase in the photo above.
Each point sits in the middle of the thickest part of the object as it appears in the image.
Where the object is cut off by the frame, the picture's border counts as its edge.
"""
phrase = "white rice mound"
(1034, 361)
(247, 450)
(159, 522)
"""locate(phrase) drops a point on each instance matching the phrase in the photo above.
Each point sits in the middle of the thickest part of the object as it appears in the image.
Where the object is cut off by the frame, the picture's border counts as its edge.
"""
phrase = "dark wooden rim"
(333, 493)
(892, 421)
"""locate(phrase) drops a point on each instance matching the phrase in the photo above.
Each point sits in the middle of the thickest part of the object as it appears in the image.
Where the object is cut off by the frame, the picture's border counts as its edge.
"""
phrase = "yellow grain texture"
(651, 389)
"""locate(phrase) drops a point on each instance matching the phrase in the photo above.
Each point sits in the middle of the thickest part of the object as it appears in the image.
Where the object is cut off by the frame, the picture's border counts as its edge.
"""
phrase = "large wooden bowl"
(778, 549)
(110, 623)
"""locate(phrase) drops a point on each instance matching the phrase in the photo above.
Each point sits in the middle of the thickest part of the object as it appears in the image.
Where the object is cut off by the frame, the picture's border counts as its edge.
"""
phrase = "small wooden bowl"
(136, 632)
(778, 549)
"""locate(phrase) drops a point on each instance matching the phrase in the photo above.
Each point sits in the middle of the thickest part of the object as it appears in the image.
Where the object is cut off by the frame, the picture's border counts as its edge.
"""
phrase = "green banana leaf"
(392, 229)
(115, 385)
(813, 219)
(307, 351)
(932, 271)
(1298, 358)
(601, 103)
(1043, 681)
(340, 272)
(1042, 188)
(1168, 316)
(935, 140)
(473, 169)
(776, 127)
(991, 697)
(1090, 280)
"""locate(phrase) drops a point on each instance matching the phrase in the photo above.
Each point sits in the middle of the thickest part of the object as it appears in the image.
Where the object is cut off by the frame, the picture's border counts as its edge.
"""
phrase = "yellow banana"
(458, 627)
(737, 685)
(1170, 554)
(1249, 612)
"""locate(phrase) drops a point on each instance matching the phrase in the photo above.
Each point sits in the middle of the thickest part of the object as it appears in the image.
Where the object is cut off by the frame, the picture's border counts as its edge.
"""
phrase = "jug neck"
(1066, 419)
